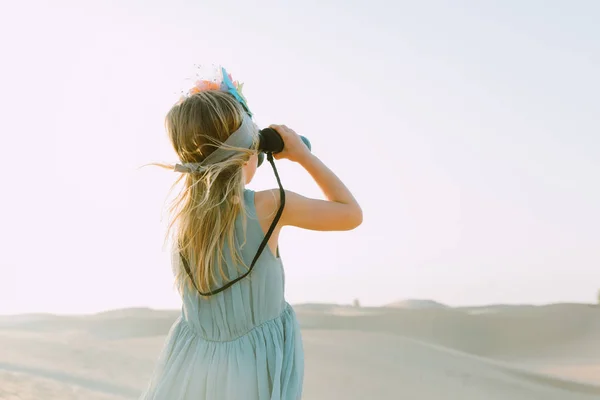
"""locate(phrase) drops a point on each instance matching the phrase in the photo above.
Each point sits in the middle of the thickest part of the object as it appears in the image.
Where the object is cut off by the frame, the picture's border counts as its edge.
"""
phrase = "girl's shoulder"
(265, 202)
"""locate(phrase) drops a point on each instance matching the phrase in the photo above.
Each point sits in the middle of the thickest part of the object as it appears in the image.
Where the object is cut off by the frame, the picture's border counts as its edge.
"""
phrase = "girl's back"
(242, 343)
(252, 301)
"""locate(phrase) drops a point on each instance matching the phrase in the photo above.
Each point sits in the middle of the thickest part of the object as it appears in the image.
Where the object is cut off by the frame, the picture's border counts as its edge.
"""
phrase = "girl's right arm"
(340, 212)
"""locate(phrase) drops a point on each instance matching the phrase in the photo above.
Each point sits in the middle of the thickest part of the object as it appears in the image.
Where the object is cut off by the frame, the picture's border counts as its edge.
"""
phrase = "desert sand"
(412, 349)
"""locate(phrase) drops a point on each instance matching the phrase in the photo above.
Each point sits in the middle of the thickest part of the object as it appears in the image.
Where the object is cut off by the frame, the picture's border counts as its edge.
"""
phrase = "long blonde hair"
(203, 214)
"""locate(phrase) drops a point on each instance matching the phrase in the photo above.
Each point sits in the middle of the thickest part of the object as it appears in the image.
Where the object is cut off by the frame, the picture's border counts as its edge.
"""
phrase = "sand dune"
(414, 350)
(416, 304)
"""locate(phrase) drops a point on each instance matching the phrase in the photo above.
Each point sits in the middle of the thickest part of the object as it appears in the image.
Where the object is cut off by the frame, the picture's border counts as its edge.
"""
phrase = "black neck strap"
(260, 248)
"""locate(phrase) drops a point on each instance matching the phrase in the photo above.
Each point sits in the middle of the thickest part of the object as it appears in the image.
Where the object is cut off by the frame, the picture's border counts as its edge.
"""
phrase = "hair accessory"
(224, 83)
(242, 138)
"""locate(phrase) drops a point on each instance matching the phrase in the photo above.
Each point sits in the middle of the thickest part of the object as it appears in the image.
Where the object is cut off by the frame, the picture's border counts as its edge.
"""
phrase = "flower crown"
(224, 83)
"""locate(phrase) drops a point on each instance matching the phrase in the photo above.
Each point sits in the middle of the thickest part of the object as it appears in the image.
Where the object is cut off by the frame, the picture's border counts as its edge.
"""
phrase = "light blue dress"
(242, 343)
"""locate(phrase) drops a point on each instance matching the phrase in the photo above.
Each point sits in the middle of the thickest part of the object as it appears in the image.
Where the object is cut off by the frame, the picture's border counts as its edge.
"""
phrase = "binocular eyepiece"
(271, 142)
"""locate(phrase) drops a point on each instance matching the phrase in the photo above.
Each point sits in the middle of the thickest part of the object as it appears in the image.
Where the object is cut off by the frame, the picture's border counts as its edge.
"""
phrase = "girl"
(241, 342)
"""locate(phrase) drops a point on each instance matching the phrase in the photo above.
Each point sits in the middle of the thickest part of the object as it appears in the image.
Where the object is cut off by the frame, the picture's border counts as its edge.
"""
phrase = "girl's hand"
(294, 148)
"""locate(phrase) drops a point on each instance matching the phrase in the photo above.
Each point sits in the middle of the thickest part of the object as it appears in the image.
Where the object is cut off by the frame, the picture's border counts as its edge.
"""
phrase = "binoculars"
(271, 142)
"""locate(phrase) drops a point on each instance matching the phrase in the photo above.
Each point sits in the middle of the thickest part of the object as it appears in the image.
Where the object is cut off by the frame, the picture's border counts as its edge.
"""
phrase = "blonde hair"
(203, 214)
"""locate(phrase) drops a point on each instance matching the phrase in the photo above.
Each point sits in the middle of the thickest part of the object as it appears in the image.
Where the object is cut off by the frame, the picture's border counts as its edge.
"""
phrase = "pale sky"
(469, 131)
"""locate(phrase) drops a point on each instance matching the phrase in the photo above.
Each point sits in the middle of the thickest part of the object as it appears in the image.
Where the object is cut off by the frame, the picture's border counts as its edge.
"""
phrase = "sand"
(409, 350)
